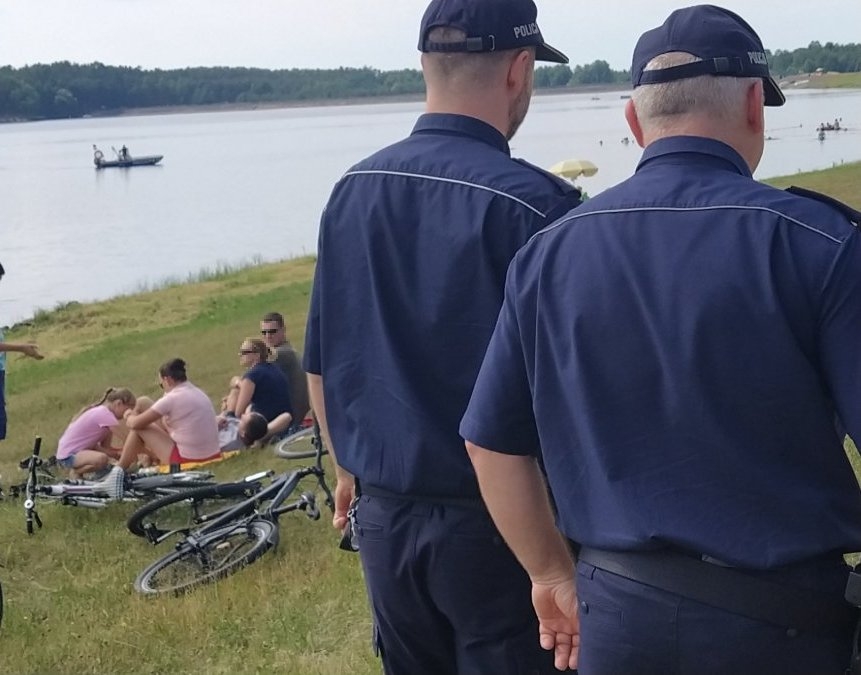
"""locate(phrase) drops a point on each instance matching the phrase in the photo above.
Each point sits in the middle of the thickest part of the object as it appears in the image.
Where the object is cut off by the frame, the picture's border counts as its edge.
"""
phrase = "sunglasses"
(244, 352)
(268, 331)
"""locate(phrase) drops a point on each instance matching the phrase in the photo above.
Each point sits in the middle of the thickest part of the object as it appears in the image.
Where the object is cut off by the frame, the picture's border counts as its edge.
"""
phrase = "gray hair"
(717, 97)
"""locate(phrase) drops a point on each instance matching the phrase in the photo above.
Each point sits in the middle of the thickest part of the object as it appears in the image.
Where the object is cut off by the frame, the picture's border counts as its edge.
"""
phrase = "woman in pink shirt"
(178, 427)
(85, 445)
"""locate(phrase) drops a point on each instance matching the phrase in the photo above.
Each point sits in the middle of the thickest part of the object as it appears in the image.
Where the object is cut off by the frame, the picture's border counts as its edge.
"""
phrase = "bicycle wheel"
(299, 445)
(217, 555)
(186, 509)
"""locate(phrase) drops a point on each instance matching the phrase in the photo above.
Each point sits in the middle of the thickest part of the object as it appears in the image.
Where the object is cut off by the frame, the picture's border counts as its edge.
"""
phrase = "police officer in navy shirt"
(414, 245)
(680, 347)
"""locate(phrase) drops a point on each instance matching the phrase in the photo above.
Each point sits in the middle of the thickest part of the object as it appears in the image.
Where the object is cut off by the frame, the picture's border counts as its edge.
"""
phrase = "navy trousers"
(447, 594)
(628, 627)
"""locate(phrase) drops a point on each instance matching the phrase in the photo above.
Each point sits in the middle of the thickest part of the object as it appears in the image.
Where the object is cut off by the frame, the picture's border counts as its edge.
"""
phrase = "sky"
(381, 34)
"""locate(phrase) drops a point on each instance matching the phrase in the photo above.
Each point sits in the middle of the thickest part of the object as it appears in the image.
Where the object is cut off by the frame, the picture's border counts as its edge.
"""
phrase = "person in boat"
(124, 154)
(98, 155)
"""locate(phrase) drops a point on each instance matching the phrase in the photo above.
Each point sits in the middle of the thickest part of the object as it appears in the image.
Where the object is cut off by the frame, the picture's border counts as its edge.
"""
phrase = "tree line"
(65, 89)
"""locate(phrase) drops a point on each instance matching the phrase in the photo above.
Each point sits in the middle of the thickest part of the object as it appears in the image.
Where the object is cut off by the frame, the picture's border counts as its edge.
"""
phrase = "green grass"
(70, 606)
(840, 182)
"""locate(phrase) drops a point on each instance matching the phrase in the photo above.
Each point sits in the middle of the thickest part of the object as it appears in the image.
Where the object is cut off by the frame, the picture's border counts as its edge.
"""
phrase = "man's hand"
(558, 623)
(345, 490)
(32, 351)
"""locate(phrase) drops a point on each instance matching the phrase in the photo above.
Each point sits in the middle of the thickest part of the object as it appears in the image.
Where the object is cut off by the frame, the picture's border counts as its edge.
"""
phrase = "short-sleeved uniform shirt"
(413, 249)
(681, 346)
(190, 419)
(271, 395)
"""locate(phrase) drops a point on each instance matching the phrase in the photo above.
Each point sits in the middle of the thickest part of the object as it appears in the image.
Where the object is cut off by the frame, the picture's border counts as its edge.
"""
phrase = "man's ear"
(634, 123)
(755, 108)
(518, 70)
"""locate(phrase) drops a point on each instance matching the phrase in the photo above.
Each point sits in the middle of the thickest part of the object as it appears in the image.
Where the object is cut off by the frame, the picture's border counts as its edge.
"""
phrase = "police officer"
(414, 245)
(682, 345)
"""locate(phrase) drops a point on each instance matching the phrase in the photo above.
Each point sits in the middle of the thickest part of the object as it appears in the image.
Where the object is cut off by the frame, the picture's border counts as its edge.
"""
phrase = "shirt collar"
(710, 150)
(463, 125)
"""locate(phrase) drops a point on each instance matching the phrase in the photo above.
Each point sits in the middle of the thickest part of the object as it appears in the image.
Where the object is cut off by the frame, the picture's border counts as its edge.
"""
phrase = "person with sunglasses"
(263, 388)
(288, 360)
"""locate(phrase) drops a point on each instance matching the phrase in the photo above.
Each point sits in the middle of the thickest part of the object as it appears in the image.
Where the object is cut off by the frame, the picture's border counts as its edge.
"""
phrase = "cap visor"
(547, 53)
(773, 95)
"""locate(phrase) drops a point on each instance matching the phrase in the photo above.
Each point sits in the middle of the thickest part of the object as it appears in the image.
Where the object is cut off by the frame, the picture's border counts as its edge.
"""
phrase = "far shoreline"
(788, 83)
(332, 102)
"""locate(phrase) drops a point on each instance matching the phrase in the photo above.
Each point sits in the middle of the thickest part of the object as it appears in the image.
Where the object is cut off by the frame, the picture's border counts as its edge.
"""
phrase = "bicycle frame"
(30, 513)
(90, 493)
(276, 493)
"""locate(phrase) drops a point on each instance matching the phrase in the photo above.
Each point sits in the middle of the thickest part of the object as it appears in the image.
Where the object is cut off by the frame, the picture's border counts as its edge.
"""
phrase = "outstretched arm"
(346, 486)
(28, 349)
(527, 525)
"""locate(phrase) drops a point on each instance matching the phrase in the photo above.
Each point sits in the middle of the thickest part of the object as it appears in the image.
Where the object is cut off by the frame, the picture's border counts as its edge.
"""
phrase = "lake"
(236, 187)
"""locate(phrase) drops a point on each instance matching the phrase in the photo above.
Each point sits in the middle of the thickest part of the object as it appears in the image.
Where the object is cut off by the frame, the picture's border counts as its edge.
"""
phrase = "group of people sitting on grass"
(263, 404)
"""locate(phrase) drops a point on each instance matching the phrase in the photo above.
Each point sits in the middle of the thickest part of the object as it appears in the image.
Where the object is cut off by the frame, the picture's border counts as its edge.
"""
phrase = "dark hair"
(274, 317)
(174, 369)
(255, 429)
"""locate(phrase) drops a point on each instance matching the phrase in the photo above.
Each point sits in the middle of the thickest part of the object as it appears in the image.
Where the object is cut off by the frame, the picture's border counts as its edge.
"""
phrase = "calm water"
(239, 186)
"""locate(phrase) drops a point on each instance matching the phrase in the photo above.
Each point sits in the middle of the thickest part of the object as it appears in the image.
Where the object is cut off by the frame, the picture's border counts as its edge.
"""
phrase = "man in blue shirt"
(680, 348)
(414, 245)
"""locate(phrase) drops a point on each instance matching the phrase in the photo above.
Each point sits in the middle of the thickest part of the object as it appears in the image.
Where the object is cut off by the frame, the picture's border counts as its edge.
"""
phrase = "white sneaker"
(113, 485)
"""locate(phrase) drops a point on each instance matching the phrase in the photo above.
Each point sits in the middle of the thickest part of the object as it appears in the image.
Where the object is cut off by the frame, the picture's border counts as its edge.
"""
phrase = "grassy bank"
(70, 603)
(824, 81)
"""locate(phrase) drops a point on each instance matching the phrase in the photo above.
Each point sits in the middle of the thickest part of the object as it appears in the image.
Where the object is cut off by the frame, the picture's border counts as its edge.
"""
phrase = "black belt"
(728, 589)
(468, 502)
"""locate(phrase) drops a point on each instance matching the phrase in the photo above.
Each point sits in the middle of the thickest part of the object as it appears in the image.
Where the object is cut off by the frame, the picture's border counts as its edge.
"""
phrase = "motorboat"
(145, 160)
(124, 160)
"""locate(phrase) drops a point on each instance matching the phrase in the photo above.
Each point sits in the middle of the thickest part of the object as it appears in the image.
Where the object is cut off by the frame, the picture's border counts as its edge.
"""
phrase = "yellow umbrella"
(573, 168)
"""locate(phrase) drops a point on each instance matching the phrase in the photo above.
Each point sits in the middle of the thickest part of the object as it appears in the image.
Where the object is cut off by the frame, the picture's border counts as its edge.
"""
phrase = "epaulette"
(851, 214)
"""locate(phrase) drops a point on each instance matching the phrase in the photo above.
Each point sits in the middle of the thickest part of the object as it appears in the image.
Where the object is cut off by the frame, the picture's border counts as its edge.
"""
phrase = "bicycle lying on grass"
(178, 513)
(98, 493)
(301, 444)
(229, 538)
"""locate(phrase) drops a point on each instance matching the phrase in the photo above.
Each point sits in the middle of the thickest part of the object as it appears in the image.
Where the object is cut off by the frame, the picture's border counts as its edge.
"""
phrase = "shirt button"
(792, 632)
(584, 607)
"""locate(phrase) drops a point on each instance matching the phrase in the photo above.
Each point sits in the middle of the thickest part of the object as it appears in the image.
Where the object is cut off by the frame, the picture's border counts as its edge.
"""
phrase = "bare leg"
(153, 441)
(87, 461)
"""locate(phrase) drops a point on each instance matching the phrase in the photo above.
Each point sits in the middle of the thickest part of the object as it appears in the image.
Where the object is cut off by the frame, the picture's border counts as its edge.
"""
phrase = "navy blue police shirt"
(682, 346)
(413, 250)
